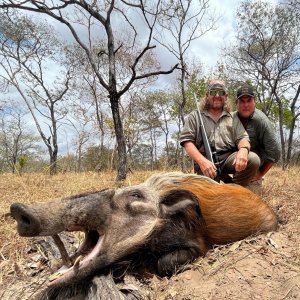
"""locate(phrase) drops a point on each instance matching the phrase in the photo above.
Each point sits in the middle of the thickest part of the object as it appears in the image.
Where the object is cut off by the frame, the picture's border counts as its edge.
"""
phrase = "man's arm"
(268, 140)
(265, 167)
(268, 144)
(243, 144)
(241, 158)
(207, 167)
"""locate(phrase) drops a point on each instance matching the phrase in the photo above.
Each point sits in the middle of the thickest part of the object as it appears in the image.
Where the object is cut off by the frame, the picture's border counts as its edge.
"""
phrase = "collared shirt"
(225, 134)
(262, 136)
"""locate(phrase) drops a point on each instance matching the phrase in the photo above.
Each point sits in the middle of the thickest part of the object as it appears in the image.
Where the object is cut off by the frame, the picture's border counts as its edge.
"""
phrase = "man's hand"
(241, 160)
(208, 168)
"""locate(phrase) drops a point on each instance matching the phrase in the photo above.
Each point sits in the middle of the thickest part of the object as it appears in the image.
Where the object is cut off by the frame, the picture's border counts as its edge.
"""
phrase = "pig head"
(118, 223)
(173, 216)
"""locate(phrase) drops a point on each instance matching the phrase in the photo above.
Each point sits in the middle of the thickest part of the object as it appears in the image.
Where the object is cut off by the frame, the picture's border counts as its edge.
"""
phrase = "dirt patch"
(262, 267)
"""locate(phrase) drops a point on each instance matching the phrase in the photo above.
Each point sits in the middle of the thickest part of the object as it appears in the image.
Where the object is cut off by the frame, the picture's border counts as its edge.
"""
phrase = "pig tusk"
(77, 261)
(63, 252)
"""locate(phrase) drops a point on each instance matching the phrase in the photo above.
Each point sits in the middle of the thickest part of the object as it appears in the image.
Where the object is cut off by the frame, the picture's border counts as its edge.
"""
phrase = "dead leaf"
(235, 246)
(272, 243)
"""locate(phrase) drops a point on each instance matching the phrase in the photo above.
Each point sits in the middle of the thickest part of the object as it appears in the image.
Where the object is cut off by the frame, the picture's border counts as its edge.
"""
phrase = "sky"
(205, 49)
(208, 47)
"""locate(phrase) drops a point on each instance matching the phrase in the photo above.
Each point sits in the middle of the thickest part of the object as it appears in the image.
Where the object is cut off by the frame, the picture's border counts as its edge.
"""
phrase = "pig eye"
(136, 195)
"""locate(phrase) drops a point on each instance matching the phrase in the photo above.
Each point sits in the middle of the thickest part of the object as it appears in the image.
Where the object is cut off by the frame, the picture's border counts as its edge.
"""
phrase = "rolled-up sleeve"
(190, 130)
(272, 147)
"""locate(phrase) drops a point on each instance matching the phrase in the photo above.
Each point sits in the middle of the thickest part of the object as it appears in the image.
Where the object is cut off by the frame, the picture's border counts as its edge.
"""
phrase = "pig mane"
(161, 181)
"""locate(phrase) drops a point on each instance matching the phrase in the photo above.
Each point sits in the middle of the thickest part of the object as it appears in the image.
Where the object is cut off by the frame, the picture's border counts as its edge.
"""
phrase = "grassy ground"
(21, 267)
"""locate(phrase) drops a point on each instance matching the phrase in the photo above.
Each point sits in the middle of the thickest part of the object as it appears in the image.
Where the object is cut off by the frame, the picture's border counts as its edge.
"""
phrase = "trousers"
(243, 177)
(227, 167)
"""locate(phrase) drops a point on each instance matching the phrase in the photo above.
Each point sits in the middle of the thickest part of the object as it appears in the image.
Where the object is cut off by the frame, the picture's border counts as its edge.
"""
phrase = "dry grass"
(40, 188)
(281, 190)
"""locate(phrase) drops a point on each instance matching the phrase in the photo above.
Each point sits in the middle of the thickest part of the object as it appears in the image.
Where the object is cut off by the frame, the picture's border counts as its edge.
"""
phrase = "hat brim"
(251, 95)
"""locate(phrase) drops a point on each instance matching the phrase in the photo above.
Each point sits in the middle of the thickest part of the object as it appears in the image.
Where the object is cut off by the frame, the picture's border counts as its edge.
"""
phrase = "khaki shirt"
(224, 134)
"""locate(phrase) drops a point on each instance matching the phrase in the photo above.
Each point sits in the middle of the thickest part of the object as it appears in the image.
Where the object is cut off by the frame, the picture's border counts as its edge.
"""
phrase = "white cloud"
(206, 49)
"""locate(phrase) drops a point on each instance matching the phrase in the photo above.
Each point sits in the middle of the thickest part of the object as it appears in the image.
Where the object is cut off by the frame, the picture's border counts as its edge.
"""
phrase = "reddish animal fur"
(231, 212)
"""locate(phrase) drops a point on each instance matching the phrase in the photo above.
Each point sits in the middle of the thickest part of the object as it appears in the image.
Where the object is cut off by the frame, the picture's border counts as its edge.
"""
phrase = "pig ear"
(178, 202)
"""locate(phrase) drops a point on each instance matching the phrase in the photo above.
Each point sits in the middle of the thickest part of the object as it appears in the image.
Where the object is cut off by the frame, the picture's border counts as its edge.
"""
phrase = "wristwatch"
(246, 148)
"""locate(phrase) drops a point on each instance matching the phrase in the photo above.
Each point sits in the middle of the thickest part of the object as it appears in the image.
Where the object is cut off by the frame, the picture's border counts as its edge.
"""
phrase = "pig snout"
(76, 213)
(28, 223)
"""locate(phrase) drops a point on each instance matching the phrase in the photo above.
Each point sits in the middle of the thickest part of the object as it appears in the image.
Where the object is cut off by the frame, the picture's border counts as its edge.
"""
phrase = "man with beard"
(226, 133)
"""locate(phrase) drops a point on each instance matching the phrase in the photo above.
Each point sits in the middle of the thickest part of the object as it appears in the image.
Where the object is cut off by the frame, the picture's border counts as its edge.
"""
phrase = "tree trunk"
(104, 288)
(53, 163)
(121, 146)
(79, 154)
(281, 134)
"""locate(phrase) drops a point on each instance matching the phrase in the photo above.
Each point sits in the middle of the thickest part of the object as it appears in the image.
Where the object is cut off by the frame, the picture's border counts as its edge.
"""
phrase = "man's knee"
(253, 161)
(244, 177)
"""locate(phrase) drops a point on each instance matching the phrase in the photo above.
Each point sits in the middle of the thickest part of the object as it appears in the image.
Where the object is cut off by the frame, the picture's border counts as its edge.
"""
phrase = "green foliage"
(66, 163)
(97, 157)
(287, 113)
(21, 161)
(142, 157)
(274, 112)
(171, 161)
(195, 86)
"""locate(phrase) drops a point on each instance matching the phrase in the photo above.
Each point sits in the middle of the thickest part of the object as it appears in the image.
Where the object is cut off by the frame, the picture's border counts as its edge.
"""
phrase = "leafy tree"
(93, 161)
(143, 157)
(267, 53)
(21, 162)
(80, 118)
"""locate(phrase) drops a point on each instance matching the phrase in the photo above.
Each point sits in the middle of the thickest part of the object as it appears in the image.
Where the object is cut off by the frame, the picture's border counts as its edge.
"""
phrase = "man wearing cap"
(261, 133)
(225, 132)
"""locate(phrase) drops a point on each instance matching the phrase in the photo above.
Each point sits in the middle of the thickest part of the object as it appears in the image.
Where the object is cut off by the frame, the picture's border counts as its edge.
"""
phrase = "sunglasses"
(215, 92)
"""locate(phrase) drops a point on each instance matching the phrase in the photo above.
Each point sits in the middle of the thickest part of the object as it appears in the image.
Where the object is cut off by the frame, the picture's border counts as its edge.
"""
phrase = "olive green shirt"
(262, 136)
(225, 134)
